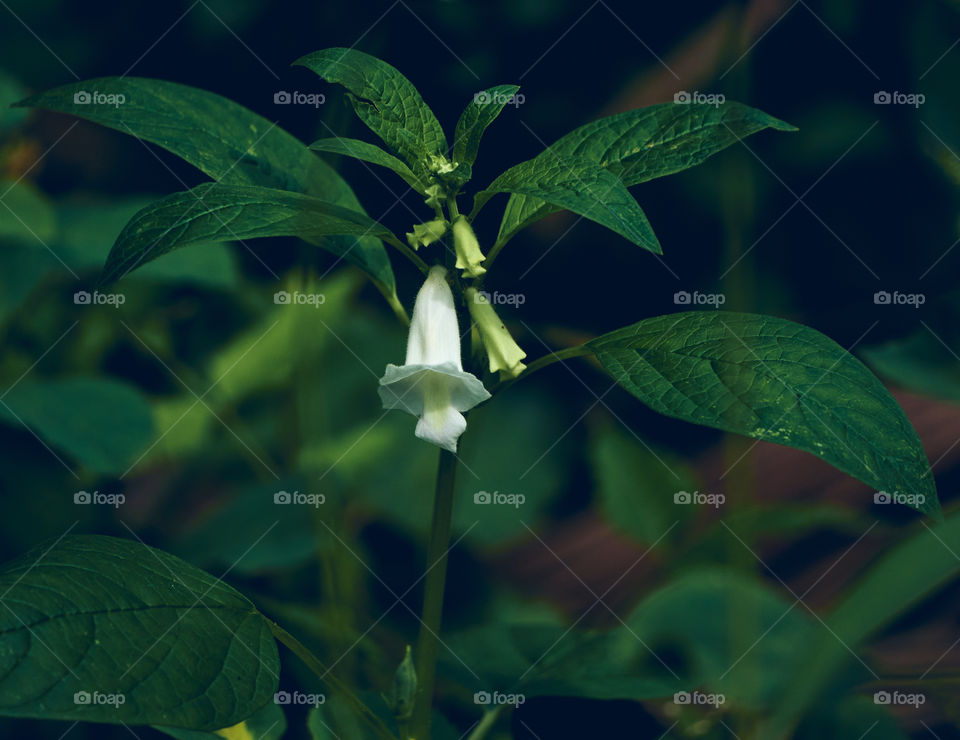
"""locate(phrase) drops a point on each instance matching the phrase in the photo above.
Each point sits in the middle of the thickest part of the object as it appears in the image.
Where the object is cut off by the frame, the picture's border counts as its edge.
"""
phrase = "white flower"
(431, 384)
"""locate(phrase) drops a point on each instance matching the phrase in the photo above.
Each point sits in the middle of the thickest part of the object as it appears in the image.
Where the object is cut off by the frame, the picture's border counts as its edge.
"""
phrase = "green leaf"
(112, 617)
(552, 660)
(580, 186)
(904, 576)
(221, 138)
(480, 113)
(267, 723)
(730, 632)
(101, 423)
(25, 214)
(217, 212)
(386, 101)
(370, 153)
(636, 485)
(775, 380)
(644, 144)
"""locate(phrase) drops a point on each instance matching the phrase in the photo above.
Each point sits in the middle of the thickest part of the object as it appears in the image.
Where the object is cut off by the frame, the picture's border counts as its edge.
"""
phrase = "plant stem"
(564, 354)
(314, 664)
(428, 639)
(485, 724)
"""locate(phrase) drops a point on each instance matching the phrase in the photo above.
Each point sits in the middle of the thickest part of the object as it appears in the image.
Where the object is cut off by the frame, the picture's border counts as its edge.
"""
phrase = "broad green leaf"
(92, 618)
(228, 142)
(479, 113)
(550, 660)
(644, 144)
(217, 212)
(580, 186)
(10, 91)
(267, 723)
(25, 214)
(775, 380)
(101, 423)
(386, 101)
(904, 576)
(920, 363)
(635, 486)
(735, 635)
(370, 153)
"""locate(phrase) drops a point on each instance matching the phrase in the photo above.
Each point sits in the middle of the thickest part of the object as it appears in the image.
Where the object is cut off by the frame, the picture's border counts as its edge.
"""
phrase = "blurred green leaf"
(26, 215)
(215, 212)
(919, 363)
(904, 576)
(854, 717)
(93, 616)
(101, 423)
(636, 485)
(641, 145)
(577, 185)
(775, 380)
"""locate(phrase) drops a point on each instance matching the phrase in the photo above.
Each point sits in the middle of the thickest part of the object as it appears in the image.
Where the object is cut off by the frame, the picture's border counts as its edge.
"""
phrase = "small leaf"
(643, 144)
(101, 423)
(100, 629)
(775, 380)
(370, 153)
(920, 363)
(215, 212)
(480, 113)
(385, 100)
(579, 186)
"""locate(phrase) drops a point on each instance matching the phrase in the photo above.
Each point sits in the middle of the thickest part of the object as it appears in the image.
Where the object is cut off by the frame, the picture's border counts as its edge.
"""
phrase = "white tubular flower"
(465, 242)
(432, 385)
(503, 352)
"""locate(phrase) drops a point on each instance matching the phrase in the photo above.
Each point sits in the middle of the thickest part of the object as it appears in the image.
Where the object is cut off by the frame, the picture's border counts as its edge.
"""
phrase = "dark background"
(880, 211)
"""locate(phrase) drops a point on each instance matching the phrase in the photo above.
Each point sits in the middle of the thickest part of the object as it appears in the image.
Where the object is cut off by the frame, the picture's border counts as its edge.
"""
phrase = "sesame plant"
(105, 629)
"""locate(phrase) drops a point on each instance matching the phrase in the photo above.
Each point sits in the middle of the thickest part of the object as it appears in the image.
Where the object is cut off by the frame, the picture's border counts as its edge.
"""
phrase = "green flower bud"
(404, 692)
(424, 235)
(465, 242)
(503, 352)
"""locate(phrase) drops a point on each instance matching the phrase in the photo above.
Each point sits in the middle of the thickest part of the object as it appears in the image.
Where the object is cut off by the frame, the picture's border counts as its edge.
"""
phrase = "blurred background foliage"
(199, 398)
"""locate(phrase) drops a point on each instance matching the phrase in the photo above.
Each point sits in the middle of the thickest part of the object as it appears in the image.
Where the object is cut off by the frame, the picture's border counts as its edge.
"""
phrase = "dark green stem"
(428, 645)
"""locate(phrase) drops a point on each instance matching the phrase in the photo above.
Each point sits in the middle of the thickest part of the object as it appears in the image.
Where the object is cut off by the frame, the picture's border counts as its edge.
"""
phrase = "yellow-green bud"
(465, 242)
(503, 352)
(423, 235)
